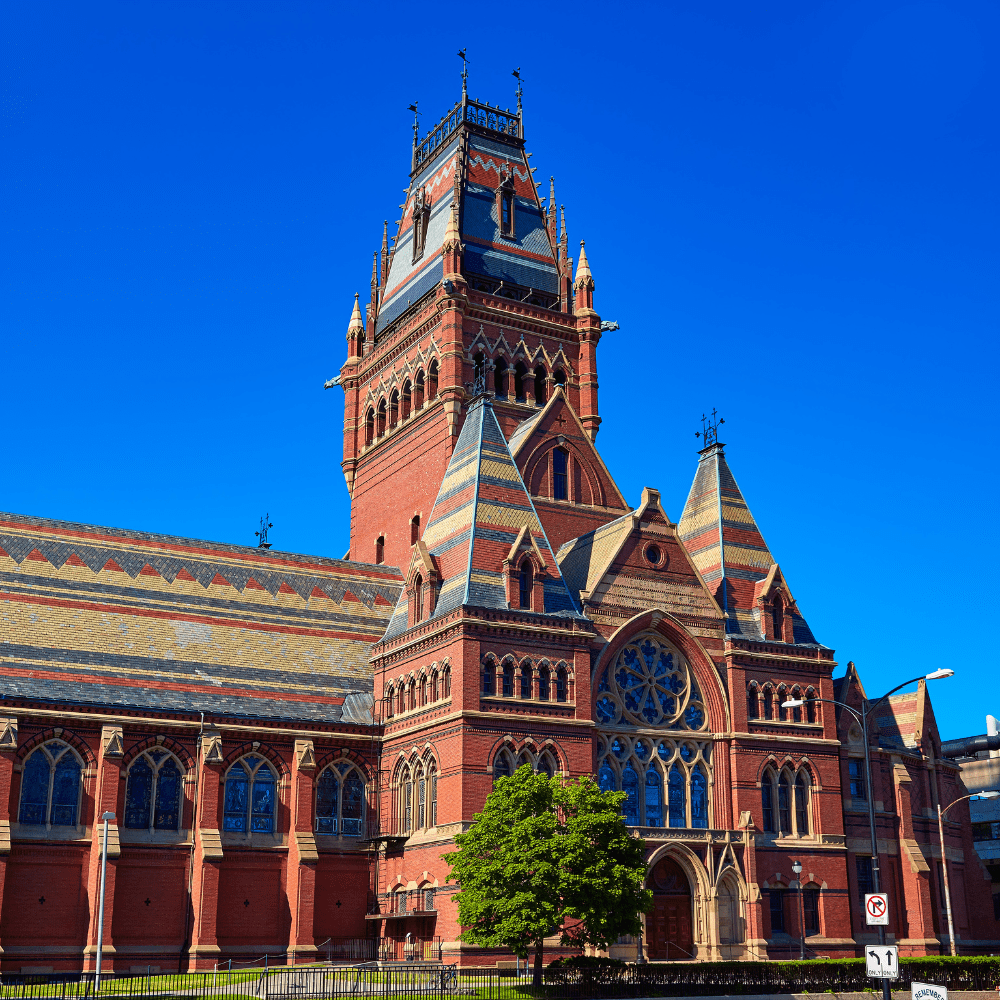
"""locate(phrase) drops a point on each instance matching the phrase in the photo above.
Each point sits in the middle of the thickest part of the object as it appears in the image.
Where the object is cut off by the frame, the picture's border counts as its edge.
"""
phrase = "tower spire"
(385, 255)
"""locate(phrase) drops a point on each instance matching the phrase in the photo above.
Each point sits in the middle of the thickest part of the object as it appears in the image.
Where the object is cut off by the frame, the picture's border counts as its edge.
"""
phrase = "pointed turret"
(372, 309)
(355, 331)
(481, 529)
(583, 287)
(452, 246)
(385, 256)
(729, 551)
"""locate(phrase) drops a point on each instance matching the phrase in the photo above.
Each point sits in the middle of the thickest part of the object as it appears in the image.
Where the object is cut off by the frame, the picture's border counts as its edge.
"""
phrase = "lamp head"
(939, 675)
(991, 794)
(793, 703)
(108, 817)
(797, 867)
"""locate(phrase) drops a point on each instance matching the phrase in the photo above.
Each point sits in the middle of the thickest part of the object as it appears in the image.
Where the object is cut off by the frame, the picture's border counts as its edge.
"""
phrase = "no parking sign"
(877, 908)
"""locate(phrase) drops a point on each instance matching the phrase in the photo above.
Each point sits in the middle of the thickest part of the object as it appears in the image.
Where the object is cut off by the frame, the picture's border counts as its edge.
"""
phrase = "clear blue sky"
(790, 208)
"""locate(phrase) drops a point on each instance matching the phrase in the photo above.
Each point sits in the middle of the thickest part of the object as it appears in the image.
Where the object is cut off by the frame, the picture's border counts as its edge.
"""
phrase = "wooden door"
(668, 927)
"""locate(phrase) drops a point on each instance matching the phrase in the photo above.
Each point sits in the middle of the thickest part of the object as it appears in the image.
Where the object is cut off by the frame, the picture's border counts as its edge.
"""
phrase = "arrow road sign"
(882, 961)
(877, 908)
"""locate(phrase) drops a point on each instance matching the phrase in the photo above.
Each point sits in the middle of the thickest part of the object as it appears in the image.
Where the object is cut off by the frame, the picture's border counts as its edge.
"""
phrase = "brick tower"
(478, 280)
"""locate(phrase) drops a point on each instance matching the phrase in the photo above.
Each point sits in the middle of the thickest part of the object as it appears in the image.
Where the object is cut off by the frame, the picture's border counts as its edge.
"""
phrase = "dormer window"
(778, 619)
(418, 599)
(526, 584)
(421, 219)
(505, 207)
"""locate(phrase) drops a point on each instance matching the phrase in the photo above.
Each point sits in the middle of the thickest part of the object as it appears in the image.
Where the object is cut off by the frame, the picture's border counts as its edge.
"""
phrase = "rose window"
(649, 684)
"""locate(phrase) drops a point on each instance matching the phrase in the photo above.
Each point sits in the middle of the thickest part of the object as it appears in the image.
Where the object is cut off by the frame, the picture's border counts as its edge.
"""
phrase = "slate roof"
(104, 616)
(480, 509)
(723, 539)
(583, 559)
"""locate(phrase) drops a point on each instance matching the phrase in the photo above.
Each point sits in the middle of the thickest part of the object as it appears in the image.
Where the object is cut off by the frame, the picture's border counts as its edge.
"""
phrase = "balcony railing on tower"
(478, 113)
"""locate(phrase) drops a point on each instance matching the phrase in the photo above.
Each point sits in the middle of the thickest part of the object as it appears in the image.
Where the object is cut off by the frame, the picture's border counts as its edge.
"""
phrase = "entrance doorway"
(668, 927)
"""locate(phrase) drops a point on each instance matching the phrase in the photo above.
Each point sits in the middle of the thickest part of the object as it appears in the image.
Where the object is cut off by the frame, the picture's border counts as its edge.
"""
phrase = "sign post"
(882, 961)
(877, 909)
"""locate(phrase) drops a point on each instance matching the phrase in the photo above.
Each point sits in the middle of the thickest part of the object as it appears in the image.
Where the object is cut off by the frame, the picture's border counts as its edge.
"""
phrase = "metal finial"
(709, 432)
(517, 74)
(265, 523)
(465, 73)
(416, 121)
(478, 385)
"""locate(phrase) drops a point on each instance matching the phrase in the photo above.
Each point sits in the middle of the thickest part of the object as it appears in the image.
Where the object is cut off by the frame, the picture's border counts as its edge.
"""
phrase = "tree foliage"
(546, 856)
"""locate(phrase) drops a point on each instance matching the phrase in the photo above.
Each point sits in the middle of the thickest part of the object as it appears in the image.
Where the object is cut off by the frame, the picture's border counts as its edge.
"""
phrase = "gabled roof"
(146, 621)
(728, 548)
(478, 515)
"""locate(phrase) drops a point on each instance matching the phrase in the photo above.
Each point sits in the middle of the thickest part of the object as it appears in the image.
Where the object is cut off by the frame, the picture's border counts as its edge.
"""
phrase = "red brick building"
(289, 743)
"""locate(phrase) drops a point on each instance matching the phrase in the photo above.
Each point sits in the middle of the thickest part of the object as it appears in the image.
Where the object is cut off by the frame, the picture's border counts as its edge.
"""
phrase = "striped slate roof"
(92, 615)
(480, 509)
(723, 539)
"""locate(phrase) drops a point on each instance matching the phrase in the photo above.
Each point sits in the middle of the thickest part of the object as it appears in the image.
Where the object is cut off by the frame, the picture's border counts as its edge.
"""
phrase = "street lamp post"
(797, 868)
(867, 707)
(107, 817)
(992, 794)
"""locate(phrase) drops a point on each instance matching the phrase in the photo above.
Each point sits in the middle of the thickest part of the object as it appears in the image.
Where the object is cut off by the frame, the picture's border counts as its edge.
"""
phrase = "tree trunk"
(536, 979)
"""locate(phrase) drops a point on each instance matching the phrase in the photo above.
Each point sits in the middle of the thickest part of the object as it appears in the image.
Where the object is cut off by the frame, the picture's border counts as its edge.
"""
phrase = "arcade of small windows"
(153, 792)
(785, 802)
(527, 681)
(518, 383)
(410, 693)
(764, 703)
(340, 800)
(666, 781)
(51, 786)
(416, 796)
(505, 763)
(250, 797)
(399, 406)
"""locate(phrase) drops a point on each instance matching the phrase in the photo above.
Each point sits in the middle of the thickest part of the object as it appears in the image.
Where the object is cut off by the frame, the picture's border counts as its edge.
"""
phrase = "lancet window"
(432, 380)
(500, 378)
(540, 385)
(666, 781)
(153, 792)
(785, 797)
(505, 763)
(51, 785)
(250, 796)
(560, 463)
(340, 800)
(416, 788)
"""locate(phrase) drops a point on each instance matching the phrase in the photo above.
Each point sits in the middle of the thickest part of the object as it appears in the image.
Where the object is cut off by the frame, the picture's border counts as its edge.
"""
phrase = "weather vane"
(416, 120)
(709, 432)
(265, 523)
(478, 385)
(517, 74)
(465, 73)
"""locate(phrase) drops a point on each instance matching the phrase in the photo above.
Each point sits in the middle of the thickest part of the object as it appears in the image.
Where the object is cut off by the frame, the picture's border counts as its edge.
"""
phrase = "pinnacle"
(583, 268)
(452, 237)
(356, 323)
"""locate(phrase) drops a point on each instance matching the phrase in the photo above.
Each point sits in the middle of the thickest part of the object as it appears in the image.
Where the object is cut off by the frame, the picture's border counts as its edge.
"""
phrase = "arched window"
(801, 806)
(406, 810)
(153, 792)
(630, 786)
(508, 680)
(402, 696)
(519, 372)
(559, 377)
(390, 701)
(394, 408)
(500, 378)
(561, 684)
(249, 799)
(606, 778)
(810, 907)
(539, 385)
(796, 712)
(753, 704)
(414, 529)
(767, 802)
(370, 426)
(423, 690)
(699, 798)
(411, 694)
(784, 804)
(406, 400)
(778, 619)
(432, 785)
(782, 698)
(421, 784)
(524, 760)
(435, 686)
(447, 683)
(675, 797)
(543, 683)
(768, 703)
(489, 678)
(525, 680)
(432, 380)
(418, 598)
(501, 765)
(380, 422)
(340, 800)
(654, 796)
(478, 366)
(810, 705)
(380, 549)
(526, 583)
(51, 786)
(418, 391)
(560, 490)
(546, 765)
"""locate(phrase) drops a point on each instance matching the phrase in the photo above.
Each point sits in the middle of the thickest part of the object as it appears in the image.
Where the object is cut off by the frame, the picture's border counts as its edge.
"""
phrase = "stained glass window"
(767, 802)
(654, 797)
(138, 795)
(801, 806)
(561, 684)
(526, 681)
(50, 786)
(421, 802)
(327, 793)
(606, 778)
(508, 680)
(784, 805)
(35, 780)
(675, 797)
(262, 806)
(235, 813)
(630, 786)
(353, 804)
(489, 677)
(249, 797)
(543, 684)
(146, 809)
(699, 799)
(501, 766)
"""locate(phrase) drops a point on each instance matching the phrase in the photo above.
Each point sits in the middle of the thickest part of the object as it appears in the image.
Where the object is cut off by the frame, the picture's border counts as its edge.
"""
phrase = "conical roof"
(480, 510)
(719, 531)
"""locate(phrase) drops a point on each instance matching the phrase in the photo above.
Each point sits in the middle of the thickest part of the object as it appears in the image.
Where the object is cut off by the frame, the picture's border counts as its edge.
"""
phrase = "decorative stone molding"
(211, 745)
(8, 737)
(211, 844)
(305, 755)
(112, 744)
(306, 843)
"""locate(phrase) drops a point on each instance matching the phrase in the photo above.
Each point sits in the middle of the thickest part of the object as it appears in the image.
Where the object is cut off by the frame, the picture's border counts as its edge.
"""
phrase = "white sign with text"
(882, 961)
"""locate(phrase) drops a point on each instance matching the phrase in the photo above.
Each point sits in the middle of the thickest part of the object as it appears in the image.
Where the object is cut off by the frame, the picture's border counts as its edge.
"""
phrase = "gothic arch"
(536, 460)
(151, 743)
(47, 735)
(260, 750)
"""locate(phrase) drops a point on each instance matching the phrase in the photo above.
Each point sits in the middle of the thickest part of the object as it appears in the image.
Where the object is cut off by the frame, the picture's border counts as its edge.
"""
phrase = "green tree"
(549, 855)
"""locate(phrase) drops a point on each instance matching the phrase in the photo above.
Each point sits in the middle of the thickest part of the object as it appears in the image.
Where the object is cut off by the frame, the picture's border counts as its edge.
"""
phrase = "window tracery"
(416, 788)
(785, 802)
(51, 786)
(153, 792)
(250, 796)
(650, 684)
(505, 764)
(340, 800)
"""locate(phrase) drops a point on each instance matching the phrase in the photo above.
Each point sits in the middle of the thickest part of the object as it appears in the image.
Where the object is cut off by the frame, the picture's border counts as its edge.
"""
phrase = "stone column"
(204, 950)
(105, 800)
(300, 883)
